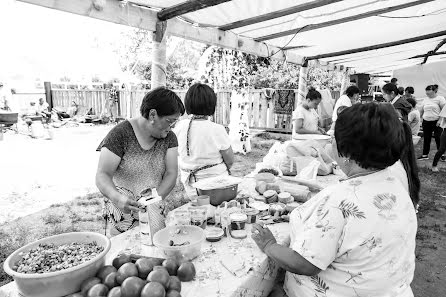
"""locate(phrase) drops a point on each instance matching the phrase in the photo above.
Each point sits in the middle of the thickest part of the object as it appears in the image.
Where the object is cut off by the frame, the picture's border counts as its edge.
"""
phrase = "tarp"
(420, 76)
(425, 18)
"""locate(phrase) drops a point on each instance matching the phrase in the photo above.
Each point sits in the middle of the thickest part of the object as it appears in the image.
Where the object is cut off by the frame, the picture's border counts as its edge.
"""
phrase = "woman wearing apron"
(203, 146)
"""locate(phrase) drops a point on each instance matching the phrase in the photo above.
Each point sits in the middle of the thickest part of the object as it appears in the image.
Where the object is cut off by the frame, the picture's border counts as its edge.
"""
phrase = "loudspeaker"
(361, 80)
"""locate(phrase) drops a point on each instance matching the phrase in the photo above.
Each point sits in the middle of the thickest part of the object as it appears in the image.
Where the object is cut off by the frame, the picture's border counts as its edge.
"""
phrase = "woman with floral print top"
(356, 238)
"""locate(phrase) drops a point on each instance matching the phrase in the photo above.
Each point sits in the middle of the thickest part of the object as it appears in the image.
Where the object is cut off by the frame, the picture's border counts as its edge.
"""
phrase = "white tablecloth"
(212, 278)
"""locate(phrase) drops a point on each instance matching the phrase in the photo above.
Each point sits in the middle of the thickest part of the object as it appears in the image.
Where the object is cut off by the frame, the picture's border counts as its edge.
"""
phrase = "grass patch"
(52, 219)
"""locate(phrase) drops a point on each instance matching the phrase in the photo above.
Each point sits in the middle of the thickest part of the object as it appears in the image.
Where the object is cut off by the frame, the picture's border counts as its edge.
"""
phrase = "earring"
(347, 161)
(152, 122)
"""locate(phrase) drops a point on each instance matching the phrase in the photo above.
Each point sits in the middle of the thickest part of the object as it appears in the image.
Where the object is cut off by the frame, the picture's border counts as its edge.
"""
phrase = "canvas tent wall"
(420, 76)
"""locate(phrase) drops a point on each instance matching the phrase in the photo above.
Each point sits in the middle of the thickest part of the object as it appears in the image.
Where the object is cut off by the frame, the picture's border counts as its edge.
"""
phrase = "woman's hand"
(127, 204)
(262, 236)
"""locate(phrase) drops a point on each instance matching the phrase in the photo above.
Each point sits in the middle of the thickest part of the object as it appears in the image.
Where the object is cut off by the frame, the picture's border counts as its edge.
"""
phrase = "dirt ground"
(49, 189)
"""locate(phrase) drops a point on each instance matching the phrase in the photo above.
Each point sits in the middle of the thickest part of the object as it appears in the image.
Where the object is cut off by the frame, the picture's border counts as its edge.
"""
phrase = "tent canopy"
(292, 30)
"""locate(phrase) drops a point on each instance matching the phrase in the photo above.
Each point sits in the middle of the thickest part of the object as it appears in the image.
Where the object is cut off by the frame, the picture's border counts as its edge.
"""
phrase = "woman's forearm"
(290, 260)
(106, 186)
(306, 131)
(167, 184)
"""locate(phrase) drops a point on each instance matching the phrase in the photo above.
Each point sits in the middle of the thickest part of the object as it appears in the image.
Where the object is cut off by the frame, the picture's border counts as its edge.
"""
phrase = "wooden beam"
(227, 39)
(143, 18)
(277, 14)
(113, 11)
(430, 53)
(378, 46)
(355, 17)
(186, 7)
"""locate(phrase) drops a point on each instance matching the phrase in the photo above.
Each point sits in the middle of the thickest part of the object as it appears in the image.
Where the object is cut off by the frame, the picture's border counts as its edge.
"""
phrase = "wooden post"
(302, 91)
(159, 61)
(48, 95)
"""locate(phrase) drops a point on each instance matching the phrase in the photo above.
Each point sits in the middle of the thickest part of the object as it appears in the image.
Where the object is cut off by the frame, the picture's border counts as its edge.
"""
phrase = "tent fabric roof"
(425, 18)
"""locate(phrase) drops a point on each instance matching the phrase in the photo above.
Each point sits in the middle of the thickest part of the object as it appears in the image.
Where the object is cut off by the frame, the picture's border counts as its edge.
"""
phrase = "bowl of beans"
(57, 265)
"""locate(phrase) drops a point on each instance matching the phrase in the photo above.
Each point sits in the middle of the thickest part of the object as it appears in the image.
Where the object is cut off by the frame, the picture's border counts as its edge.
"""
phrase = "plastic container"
(238, 221)
(180, 234)
(203, 200)
(198, 216)
(251, 214)
(214, 234)
(285, 198)
(59, 283)
(263, 208)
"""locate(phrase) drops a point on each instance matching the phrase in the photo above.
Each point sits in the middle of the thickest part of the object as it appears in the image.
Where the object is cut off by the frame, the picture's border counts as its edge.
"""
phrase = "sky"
(38, 42)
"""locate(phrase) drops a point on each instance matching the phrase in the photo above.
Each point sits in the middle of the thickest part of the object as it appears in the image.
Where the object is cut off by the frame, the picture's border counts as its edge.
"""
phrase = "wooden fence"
(260, 108)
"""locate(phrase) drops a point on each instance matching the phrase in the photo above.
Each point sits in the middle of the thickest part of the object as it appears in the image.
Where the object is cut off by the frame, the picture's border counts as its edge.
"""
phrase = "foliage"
(318, 77)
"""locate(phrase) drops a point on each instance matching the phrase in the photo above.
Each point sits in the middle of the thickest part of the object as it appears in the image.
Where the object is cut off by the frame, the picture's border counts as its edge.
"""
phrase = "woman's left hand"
(262, 236)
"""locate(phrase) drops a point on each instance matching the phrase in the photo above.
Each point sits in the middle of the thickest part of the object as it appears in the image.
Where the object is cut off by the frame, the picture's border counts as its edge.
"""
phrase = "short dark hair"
(351, 91)
(372, 135)
(412, 102)
(401, 90)
(313, 94)
(410, 90)
(432, 88)
(389, 88)
(393, 80)
(200, 100)
(164, 101)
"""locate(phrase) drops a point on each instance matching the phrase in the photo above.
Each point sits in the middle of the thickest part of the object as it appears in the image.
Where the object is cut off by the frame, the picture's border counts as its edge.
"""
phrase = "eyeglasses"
(172, 122)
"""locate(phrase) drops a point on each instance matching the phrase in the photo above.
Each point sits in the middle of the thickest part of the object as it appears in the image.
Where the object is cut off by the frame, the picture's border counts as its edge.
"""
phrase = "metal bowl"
(217, 196)
(63, 282)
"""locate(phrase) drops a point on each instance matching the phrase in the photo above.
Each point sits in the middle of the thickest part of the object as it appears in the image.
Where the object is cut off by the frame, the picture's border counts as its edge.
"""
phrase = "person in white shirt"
(350, 97)
(305, 117)
(4, 98)
(414, 117)
(430, 112)
(204, 147)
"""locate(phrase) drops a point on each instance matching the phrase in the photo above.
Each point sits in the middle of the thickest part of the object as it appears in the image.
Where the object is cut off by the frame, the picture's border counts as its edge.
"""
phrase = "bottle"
(150, 218)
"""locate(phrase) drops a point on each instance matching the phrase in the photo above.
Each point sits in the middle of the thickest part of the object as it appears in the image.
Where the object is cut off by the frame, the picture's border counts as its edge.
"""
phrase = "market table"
(213, 279)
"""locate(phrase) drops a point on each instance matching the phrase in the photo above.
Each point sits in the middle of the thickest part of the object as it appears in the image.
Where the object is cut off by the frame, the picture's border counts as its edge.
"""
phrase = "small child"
(414, 117)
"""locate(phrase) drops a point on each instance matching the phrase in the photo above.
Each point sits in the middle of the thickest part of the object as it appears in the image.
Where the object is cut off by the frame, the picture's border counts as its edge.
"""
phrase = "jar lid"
(238, 217)
(260, 206)
(251, 211)
(269, 193)
(284, 195)
(214, 234)
(239, 234)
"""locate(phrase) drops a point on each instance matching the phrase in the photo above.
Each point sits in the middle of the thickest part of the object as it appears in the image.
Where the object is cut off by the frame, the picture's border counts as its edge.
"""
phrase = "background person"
(391, 94)
(350, 97)
(408, 93)
(140, 154)
(204, 146)
(344, 240)
(414, 117)
(430, 113)
(442, 149)
(305, 117)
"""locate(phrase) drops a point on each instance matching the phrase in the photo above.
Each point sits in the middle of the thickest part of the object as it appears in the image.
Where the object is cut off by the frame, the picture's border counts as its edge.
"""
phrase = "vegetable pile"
(50, 258)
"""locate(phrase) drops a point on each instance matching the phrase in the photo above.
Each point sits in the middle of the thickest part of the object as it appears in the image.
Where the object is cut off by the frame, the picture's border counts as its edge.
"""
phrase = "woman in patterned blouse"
(141, 154)
(356, 238)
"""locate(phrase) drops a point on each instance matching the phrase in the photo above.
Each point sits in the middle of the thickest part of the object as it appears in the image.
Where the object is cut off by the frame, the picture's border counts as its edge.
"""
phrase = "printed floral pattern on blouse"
(361, 234)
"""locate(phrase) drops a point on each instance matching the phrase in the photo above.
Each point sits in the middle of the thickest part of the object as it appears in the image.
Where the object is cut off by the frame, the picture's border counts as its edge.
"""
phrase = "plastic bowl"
(180, 234)
(63, 282)
(218, 196)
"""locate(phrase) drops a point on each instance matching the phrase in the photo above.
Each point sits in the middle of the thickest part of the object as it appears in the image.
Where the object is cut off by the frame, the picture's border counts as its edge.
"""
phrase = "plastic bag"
(275, 155)
(310, 171)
